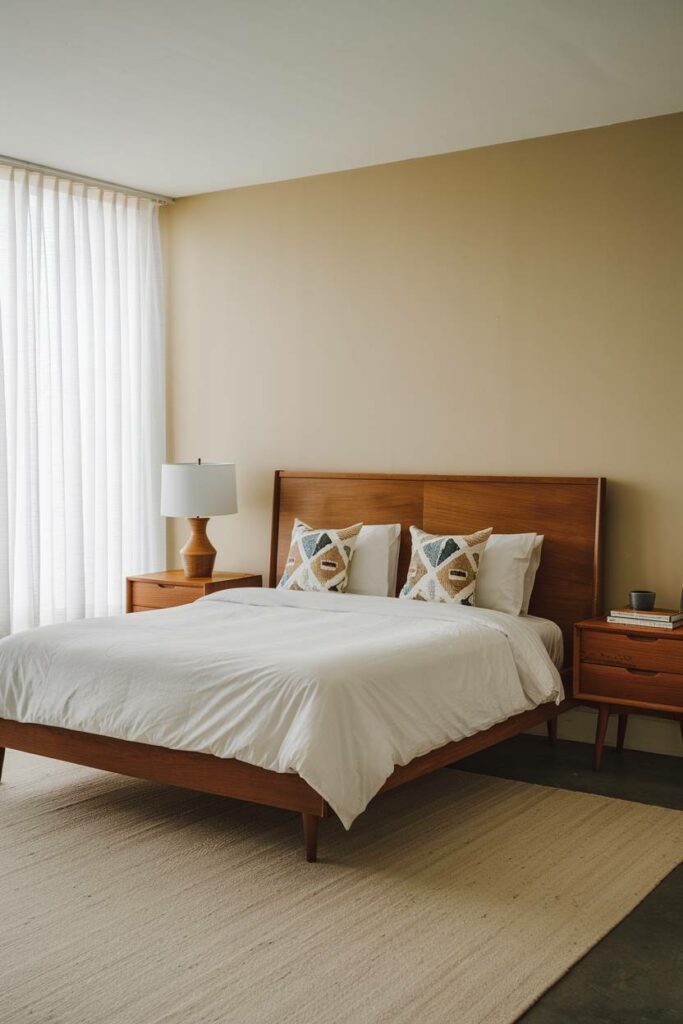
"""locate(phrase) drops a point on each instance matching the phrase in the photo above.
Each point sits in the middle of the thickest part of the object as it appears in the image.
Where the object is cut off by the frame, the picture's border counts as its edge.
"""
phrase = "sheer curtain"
(81, 398)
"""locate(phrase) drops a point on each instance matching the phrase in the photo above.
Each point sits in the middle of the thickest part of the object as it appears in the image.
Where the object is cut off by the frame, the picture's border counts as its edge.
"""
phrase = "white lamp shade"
(203, 489)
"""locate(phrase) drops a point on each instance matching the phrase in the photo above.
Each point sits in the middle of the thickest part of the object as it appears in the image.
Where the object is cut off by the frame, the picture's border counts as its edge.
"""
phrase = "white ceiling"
(186, 96)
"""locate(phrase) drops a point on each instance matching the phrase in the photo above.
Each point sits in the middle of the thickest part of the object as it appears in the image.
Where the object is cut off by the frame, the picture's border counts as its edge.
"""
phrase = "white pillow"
(502, 573)
(374, 564)
(530, 576)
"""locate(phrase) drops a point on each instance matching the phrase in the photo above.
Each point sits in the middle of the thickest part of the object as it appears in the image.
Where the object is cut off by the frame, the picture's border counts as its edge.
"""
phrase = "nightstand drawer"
(663, 688)
(172, 587)
(632, 649)
(162, 595)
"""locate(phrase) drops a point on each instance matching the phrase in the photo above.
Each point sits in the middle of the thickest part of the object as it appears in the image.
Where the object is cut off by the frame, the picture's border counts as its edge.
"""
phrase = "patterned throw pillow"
(319, 559)
(444, 568)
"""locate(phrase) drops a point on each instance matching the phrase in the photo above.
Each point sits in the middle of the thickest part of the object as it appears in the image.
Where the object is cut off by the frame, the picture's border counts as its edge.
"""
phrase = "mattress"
(339, 688)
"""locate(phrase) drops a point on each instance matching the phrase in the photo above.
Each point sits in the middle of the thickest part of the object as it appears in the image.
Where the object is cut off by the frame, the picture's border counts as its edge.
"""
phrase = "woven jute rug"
(454, 900)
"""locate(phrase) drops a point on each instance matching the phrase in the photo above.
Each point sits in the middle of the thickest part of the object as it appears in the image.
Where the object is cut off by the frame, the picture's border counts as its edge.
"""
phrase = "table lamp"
(196, 491)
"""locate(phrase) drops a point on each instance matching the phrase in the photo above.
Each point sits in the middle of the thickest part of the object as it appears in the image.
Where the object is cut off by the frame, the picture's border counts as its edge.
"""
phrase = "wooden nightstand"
(168, 589)
(627, 668)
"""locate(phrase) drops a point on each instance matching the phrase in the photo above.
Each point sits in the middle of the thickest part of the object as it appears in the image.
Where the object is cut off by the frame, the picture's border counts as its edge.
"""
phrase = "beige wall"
(515, 309)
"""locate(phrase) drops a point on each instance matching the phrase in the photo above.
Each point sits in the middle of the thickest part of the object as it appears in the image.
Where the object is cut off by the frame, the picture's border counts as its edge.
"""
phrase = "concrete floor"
(635, 975)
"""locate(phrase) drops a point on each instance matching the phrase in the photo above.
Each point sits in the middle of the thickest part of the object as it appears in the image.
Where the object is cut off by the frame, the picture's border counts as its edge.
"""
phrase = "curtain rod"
(82, 179)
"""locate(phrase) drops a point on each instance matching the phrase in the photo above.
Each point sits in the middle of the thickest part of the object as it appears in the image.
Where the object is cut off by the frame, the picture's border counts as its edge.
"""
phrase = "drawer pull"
(642, 671)
(643, 639)
(166, 586)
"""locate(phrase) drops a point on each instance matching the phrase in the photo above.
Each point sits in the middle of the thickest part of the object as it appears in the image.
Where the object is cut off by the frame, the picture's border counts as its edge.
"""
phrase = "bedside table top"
(177, 578)
(618, 627)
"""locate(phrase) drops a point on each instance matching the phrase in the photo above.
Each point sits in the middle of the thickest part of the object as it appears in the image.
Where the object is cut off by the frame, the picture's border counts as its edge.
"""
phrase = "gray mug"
(642, 600)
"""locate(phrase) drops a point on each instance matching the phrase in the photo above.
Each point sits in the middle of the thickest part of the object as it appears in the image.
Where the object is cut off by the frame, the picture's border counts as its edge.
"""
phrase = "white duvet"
(337, 687)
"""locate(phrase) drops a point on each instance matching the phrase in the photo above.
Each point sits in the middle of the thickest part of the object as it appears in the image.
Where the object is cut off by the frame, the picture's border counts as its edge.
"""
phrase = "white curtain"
(81, 398)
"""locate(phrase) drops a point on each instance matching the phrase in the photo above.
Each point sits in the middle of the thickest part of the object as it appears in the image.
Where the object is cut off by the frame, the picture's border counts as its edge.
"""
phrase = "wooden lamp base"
(198, 554)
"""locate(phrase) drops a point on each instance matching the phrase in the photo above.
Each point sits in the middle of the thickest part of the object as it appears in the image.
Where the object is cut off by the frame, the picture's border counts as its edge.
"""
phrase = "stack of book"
(658, 618)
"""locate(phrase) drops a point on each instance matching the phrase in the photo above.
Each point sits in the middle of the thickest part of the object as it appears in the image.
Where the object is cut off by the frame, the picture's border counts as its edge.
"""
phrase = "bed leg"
(310, 823)
(552, 731)
(2, 760)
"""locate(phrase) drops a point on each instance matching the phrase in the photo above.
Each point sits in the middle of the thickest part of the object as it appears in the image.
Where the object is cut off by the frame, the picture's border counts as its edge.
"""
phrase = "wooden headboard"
(567, 510)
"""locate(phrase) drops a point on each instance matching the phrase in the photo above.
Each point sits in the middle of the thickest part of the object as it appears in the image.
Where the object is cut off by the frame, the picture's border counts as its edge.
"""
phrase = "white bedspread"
(337, 687)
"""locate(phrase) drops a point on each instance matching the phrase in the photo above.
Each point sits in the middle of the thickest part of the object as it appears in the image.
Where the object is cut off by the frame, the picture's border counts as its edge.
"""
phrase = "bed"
(351, 695)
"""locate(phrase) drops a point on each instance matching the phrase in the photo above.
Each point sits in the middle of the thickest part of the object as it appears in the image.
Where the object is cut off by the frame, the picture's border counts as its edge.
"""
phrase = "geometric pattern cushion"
(444, 568)
(319, 559)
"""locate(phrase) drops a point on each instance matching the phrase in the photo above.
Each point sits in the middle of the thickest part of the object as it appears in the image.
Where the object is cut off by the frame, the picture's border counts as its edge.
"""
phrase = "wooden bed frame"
(567, 510)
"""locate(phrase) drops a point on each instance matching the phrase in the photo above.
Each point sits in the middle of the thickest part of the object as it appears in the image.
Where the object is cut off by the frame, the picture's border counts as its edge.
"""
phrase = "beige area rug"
(457, 899)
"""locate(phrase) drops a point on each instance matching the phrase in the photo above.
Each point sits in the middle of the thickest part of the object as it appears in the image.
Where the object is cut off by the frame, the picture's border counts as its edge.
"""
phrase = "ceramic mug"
(642, 600)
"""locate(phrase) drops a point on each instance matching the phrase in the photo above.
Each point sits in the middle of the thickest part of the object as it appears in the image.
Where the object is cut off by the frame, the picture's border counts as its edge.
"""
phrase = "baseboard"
(656, 735)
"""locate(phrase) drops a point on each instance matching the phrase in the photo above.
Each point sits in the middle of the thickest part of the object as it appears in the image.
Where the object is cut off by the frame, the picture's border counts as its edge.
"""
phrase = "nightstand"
(626, 669)
(168, 589)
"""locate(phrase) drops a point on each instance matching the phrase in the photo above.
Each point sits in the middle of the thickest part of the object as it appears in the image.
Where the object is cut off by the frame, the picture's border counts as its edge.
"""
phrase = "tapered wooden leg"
(310, 823)
(2, 760)
(603, 719)
(621, 732)
(552, 731)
